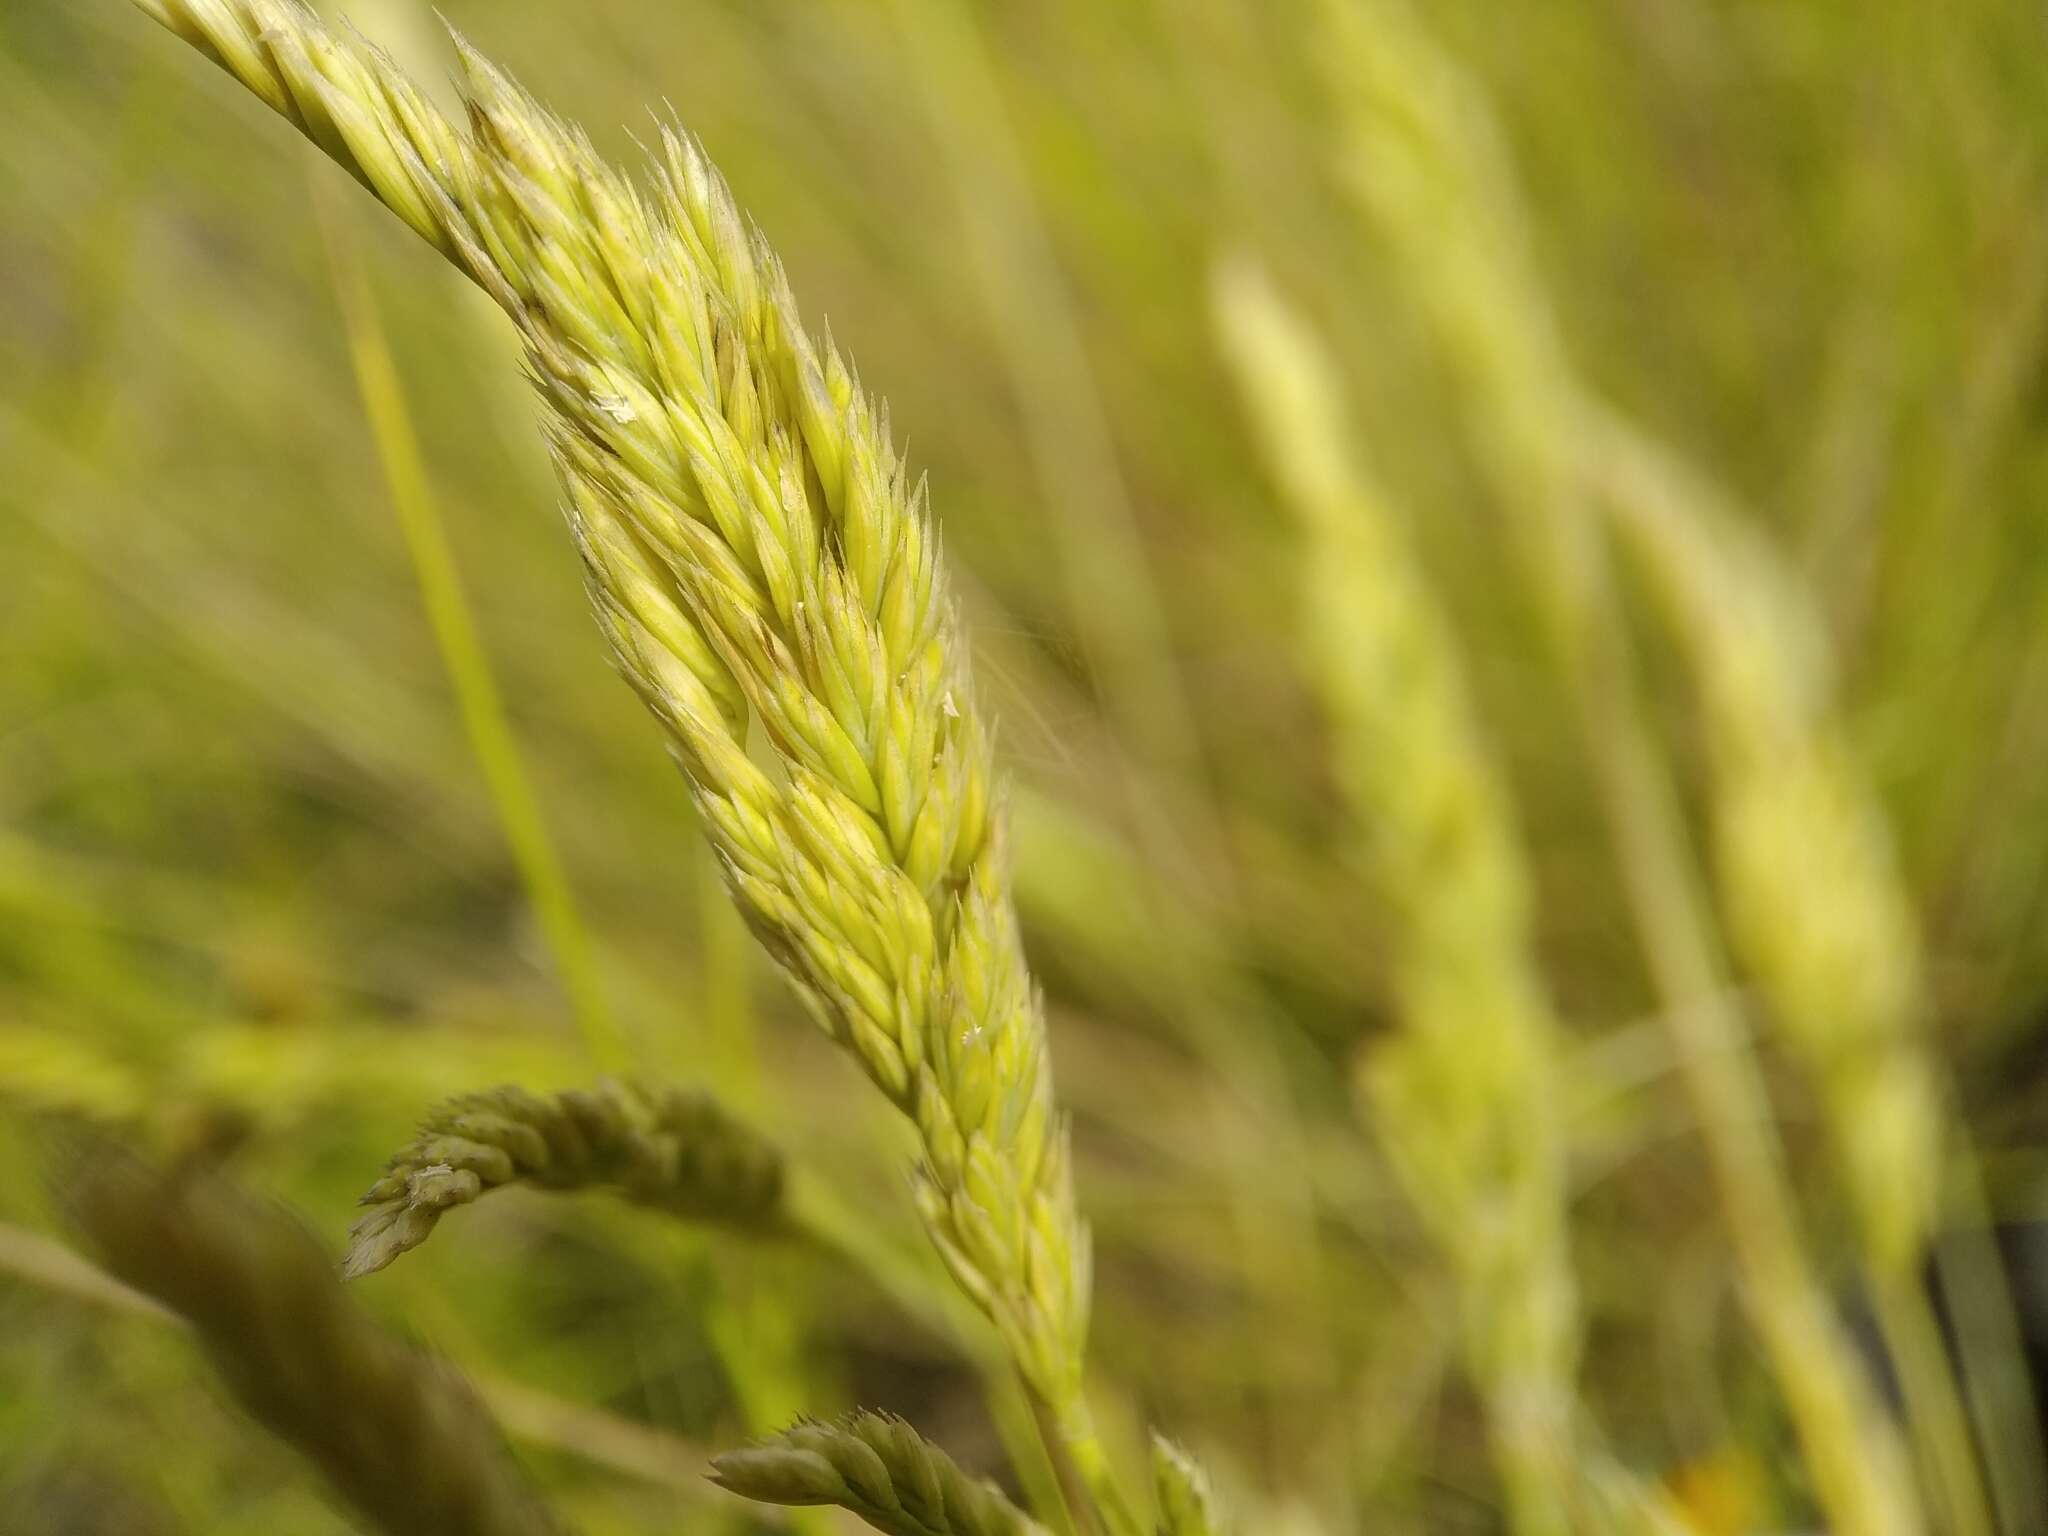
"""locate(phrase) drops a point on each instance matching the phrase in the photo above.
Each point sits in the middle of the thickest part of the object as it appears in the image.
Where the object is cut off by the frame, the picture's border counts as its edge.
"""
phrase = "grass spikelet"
(1187, 1504)
(666, 1148)
(879, 1468)
(1464, 1098)
(755, 549)
(400, 1436)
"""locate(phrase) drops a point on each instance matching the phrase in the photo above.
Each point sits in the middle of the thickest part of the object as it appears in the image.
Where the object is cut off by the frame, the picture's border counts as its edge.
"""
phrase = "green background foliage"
(257, 895)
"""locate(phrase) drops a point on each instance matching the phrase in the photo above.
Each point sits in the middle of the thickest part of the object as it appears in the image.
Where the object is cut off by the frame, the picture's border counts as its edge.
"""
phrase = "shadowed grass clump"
(663, 1147)
(397, 1434)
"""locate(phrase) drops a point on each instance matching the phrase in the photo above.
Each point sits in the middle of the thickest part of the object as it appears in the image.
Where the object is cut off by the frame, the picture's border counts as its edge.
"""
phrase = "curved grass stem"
(461, 647)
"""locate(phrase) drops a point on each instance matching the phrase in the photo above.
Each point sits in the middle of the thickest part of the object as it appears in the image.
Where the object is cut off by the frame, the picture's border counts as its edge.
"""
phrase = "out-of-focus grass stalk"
(1113, 599)
(1465, 1099)
(462, 649)
(397, 1434)
(1817, 908)
(1418, 151)
(1984, 1324)
(1812, 898)
(589, 1434)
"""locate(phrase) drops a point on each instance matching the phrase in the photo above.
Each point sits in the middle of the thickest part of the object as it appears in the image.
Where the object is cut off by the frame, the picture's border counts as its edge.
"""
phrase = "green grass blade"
(462, 649)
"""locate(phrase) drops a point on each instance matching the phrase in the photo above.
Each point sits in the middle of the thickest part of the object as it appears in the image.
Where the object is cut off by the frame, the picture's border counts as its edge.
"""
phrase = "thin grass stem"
(462, 650)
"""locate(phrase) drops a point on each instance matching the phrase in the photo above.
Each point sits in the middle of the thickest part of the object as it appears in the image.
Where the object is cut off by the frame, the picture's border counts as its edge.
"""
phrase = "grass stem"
(462, 649)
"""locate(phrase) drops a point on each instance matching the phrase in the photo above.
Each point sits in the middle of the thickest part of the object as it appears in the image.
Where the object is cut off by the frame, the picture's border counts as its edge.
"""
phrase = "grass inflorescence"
(667, 1148)
(1465, 1099)
(879, 1468)
(756, 550)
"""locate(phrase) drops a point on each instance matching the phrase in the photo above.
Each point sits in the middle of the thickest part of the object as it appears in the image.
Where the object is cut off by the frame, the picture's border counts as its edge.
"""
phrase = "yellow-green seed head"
(756, 553)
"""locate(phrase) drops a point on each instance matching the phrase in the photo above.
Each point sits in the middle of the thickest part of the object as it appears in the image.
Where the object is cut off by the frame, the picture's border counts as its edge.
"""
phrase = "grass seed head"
(1462, 1097)
(662, 1147)
(755, 549)
(881, 1469)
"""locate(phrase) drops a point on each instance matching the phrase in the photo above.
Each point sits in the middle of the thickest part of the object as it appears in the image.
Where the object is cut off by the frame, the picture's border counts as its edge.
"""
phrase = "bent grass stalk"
(1419, 154)
(1465, 1099)
(755, 550)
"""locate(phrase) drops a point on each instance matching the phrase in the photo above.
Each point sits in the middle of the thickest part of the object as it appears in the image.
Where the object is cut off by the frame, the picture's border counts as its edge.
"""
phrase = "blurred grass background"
(256, 891)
